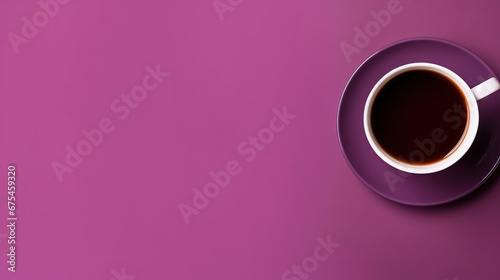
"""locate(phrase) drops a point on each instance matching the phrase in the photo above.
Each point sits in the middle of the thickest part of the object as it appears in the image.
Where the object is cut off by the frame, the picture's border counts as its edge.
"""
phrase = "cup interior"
(417, 153)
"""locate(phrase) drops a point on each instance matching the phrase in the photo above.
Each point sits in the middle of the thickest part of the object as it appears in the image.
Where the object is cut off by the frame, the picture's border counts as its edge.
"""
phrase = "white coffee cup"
(472, 95)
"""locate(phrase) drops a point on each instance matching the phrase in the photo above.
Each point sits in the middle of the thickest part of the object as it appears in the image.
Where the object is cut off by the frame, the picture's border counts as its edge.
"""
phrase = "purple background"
(119, 209)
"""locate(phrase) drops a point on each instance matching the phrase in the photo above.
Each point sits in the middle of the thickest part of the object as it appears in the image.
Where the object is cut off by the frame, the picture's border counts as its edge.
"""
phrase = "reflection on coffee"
(419, 117)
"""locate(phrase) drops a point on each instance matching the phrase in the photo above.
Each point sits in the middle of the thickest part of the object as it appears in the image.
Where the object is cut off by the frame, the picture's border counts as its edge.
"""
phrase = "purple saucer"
(430, 189)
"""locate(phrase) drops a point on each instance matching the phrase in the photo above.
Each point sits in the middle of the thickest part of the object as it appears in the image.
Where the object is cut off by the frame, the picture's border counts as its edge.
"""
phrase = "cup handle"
(486, 88)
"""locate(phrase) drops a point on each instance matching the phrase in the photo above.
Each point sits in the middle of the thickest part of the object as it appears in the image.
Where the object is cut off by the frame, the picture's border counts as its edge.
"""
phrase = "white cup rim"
(462, 147)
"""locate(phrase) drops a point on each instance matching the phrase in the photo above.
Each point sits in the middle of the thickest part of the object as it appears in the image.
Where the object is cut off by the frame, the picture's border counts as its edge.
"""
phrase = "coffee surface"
(419, 117)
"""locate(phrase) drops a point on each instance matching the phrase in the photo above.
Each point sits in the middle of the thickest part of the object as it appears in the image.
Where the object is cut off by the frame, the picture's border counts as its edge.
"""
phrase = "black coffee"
(419, 117)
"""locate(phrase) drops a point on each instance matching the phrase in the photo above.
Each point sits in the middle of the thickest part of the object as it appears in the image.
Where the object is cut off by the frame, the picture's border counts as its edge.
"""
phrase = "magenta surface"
(119, 116)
